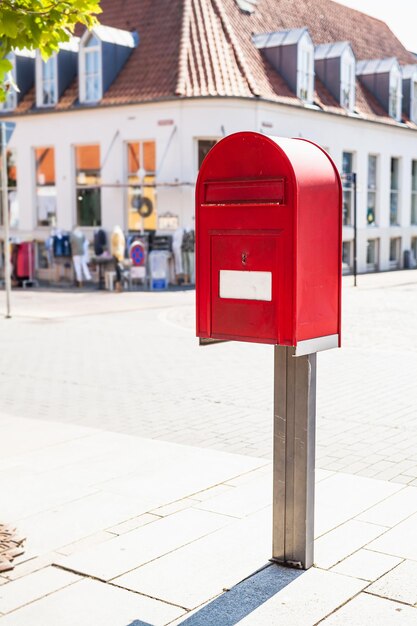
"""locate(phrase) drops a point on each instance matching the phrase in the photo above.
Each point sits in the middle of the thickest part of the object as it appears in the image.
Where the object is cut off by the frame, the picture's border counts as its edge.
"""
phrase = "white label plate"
(246, 285)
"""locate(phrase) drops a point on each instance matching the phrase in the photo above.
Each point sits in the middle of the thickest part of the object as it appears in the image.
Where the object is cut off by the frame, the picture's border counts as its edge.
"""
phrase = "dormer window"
(291, 53)
(347, 80)
(383, 78)
(90, 75)
(395, 93)
(409, 83)
(305, 69)
(10, 102)
(335, 65)
(46, 81)
(103, 52)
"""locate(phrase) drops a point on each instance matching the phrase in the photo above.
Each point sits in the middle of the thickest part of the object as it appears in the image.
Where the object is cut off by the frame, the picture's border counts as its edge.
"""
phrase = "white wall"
(176, 157)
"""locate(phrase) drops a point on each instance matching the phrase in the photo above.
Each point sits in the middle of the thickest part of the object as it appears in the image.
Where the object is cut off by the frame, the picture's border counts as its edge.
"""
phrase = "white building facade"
(85, 164)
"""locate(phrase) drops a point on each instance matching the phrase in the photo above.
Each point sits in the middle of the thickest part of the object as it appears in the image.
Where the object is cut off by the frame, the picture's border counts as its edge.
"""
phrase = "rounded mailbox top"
(249, 155)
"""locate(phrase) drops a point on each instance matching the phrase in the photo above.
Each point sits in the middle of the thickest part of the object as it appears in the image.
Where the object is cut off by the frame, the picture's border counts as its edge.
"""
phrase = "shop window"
(347, 168)
(88, 185)
(394, 191)
(372, 190)
(46, 81)
(414, 247)
(141, 191)
(46, 201)
(372, 255)
(414, 192)
(204, 147)
(11, 188)
(347, 257)
(90, 71)
(394, 252)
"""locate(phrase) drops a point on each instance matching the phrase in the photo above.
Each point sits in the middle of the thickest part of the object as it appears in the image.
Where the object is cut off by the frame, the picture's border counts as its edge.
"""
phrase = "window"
(414, 249)
(394, 193)
(414, 192)
(11, 188)
(45, 186)
(204, 147)
(90, 74)
(414, 101)
(372, 254)
(394, 252)
(46, 81)
(347, 80)
(395, 93)
(305, 69)
(88, 181)
(11, 98)
(372, 185)
(347, 257)
(347, 168)
(141, 175)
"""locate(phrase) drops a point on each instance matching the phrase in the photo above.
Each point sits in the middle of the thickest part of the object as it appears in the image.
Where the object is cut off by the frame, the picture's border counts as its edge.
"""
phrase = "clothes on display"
(188, 255)
(118, 247)
(100, 242)
(61, 245)
(177, 251)
(79, 257)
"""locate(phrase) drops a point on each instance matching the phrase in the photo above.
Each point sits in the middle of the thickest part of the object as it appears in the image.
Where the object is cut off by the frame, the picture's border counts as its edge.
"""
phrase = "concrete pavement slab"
(339, 543)
(90, 602)
(306, 600)
(131, 550)
(200, 571)
(399, 541)
(244, 500)
(343, 496)
(366, 609)
(393, 509)
(398, 584)
(366, 564)
(34, 586)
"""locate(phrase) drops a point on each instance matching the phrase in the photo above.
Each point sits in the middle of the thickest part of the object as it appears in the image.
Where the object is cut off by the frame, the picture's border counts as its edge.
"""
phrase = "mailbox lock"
(244, 257)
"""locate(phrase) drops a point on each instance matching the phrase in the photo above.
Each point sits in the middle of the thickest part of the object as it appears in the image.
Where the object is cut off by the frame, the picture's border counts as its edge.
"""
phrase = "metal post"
(5, 199)
(294, 457)
(355, 231)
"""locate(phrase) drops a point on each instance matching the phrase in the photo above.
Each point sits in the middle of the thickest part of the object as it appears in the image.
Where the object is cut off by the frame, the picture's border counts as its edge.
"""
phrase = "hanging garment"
(177, 251)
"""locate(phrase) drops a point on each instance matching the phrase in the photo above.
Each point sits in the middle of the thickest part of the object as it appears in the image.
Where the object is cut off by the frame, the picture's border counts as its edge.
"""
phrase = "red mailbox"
(268, 243)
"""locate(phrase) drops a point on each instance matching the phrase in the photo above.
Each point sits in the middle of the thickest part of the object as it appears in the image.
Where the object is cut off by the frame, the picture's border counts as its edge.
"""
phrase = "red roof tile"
(197, 48)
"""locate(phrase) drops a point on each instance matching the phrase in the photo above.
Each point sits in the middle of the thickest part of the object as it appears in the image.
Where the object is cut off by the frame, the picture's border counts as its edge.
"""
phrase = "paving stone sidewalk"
(125, 531)
(130, 363)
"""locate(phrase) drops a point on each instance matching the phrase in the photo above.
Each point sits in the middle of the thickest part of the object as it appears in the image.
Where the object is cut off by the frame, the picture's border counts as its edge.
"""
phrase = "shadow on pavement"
(231, 607)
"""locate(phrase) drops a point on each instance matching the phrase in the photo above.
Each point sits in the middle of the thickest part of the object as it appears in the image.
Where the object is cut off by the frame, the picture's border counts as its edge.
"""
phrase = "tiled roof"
(197, 48)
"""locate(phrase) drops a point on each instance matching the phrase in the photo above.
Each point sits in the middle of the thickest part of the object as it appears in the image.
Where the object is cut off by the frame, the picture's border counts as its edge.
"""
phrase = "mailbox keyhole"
(244, 258)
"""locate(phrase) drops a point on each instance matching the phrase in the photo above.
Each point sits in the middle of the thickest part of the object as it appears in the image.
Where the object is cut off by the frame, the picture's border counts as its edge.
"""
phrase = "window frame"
(395, 93)
(305, 69)
(347, 190)
(39, 67)
(83, 52)
(348, 79)
(12, 93)
(77, 186)
(375, 265)
(11, 154)
(51, 224)
(394, 192)
(395, 263)
(413, 212)
(372, 190)
(146, 174)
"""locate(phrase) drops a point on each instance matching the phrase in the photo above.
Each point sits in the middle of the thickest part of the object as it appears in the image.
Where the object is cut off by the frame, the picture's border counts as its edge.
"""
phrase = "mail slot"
(268, 243)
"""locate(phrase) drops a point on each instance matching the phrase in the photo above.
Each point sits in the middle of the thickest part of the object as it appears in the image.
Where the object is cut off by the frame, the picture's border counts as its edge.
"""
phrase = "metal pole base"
(294, 458)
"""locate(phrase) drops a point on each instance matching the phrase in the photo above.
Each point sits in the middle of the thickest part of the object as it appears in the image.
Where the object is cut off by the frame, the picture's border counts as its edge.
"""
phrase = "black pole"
(355, 231)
